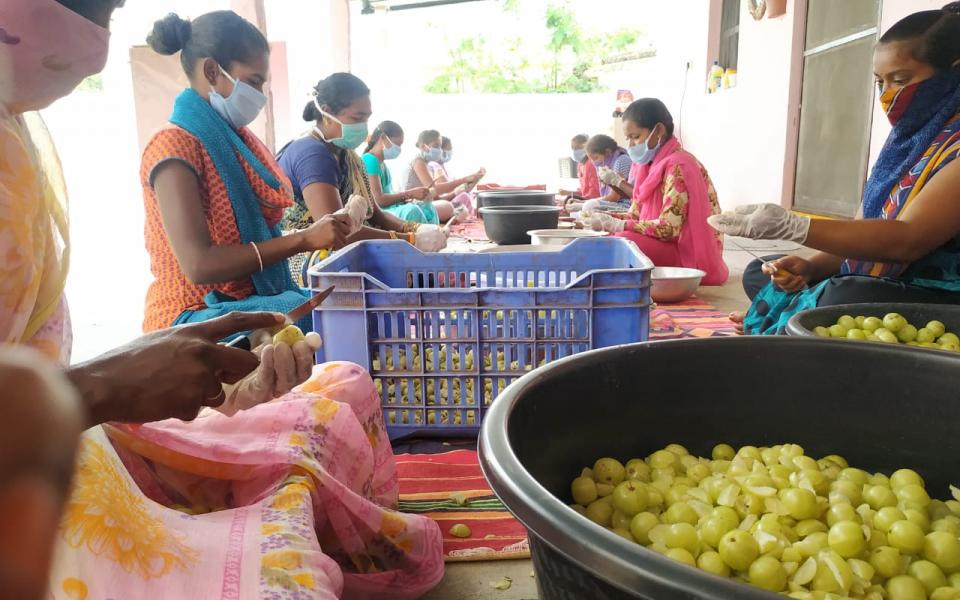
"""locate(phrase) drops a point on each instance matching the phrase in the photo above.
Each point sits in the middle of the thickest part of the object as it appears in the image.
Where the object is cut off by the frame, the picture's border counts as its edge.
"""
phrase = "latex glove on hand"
(762, 222)
(431, 238)
(603, 222)
(356, 209)
(589, 207)
(282, 368)
(609, 176)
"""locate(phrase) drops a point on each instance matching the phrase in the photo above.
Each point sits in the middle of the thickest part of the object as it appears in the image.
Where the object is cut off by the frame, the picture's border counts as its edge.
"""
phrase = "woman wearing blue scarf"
(906, 248)
(213, 194)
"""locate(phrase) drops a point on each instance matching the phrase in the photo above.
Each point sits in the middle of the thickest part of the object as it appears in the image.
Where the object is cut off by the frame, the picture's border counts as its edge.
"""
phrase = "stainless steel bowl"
(560, 237)
(674, 284)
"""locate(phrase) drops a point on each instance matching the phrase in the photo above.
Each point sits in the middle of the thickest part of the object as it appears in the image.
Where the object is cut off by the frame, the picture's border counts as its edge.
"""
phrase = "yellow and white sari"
(291, 499)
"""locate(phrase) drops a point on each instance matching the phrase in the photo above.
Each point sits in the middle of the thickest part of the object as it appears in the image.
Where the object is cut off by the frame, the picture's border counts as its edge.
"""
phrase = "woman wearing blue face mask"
(326, 171)
(213, 194)
(613, 171)
(430, 146)
(384, 145)
(672, 197)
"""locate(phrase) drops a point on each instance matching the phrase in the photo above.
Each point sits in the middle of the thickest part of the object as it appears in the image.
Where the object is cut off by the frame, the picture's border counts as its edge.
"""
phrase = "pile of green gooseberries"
(782, 521)
(893, 328)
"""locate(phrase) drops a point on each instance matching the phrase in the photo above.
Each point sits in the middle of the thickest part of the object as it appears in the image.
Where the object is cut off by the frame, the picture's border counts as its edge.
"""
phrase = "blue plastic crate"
(443, 334)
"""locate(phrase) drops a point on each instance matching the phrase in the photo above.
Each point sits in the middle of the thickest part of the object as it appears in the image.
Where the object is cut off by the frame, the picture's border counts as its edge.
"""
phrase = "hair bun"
(952, 8)
(170, 34)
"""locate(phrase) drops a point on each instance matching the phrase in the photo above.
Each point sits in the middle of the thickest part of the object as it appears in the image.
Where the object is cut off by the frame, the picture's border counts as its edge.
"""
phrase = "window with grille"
(730, 34)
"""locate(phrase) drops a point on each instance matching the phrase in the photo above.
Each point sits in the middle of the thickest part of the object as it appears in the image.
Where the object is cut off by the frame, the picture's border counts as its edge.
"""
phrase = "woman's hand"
(790, 273)
(431, 238)
(417, 193)
(282, 368)
(330, 232)
(600, 221)
(610, 177)
(762, 222)
(170, 373)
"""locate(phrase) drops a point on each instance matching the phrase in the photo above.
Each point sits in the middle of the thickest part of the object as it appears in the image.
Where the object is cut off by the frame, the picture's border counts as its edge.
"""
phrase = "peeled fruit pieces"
(783, 521)
(893, 328)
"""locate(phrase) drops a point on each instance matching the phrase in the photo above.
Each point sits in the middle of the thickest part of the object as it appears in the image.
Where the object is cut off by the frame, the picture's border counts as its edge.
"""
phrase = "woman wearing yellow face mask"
(906, 248)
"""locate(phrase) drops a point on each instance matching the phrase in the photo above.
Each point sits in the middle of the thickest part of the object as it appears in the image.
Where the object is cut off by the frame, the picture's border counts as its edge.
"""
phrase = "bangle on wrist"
(393, 235)
(259, 257)
(412, 238)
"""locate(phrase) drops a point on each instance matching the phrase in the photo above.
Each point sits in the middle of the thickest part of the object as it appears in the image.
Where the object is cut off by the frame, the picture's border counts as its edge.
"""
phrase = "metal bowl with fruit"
(786, 463)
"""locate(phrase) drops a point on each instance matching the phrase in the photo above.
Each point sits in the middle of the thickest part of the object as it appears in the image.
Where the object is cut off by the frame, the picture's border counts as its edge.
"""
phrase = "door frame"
(800, 54)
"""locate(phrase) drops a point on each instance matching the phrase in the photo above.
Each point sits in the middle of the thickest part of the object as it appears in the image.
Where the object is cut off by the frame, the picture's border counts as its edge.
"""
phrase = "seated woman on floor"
(613, 165)
(158, 507)
(461, 195)
(672, 197)
(384, 144)
(906, 246)
(429, 169)
(213, 194)
(586, 170)
(326, 171)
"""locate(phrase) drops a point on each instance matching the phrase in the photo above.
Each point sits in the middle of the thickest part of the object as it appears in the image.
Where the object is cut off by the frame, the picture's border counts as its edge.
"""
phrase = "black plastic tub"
(516, 198)
(882, 407)
(803, 324)
(507, 225)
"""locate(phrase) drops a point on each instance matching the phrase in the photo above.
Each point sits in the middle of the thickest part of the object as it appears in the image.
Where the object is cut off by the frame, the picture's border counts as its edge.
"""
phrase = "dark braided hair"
(934, 34)
(387, 128)
(647, 112)
(222, 35)
(427, 137)
(338, 92)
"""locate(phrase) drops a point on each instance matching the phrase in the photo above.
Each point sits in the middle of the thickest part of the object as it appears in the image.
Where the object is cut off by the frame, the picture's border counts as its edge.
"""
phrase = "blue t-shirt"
(307, 161)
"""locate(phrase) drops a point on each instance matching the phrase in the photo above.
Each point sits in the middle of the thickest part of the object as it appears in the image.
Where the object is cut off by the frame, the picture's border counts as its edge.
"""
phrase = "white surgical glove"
(282, 368)
(762, 222)
(603, 222)
(431, 238)
(589, 207)
(609, 176)
(356, 209)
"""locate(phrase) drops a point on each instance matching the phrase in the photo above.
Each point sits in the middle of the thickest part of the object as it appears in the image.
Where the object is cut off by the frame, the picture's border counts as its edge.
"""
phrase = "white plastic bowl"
(674, 284)
(560, 237)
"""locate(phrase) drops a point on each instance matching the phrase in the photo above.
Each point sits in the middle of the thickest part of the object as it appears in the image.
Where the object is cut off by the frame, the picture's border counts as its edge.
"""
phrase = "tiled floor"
(473, 581)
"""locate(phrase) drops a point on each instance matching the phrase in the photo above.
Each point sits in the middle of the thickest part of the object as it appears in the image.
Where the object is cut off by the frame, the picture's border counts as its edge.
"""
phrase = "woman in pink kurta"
(672, 197)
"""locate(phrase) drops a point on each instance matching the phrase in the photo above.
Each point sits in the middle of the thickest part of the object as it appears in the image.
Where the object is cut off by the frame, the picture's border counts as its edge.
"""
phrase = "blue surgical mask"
(351, 134)
(643, 154)
(392, 151)
(433, 155)
(579, 155)
(241, 107)
(447, 156)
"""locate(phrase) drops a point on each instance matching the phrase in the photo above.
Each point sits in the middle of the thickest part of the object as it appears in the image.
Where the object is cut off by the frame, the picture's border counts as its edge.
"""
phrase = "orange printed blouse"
(171, 293)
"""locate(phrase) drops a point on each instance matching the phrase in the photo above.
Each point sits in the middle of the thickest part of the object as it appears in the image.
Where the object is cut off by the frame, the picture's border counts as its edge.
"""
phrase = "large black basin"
(515, 198)
(882, 407)
(508, 225)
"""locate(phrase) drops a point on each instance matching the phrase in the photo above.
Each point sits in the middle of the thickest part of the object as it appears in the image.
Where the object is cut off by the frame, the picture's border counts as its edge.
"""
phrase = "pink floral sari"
(292, 499)
(699, 245)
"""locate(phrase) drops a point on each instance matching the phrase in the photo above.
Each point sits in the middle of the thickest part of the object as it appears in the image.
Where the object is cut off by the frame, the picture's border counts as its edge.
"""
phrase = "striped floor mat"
(693, 318)
(450, 489)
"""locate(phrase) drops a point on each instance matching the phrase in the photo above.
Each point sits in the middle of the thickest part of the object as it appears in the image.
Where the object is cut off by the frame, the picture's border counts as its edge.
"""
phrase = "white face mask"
(243, 104)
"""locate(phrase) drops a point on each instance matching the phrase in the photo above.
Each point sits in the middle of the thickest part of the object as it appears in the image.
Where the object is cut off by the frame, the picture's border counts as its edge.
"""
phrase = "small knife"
(244, 342)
